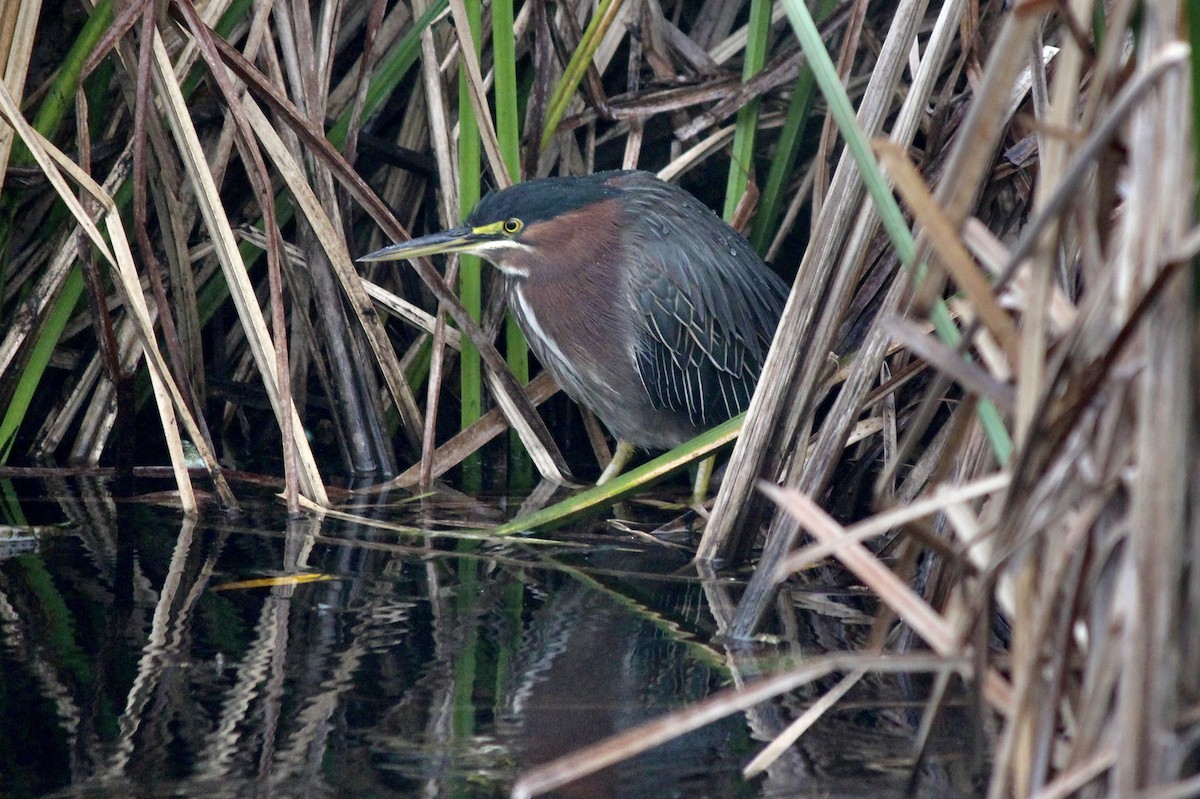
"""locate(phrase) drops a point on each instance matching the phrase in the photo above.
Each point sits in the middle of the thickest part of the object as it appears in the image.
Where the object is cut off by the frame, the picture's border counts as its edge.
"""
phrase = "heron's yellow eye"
(512, 226)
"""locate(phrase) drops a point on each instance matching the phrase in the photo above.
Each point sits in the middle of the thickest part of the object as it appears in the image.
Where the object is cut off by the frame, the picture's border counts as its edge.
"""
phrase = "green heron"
(643, 304)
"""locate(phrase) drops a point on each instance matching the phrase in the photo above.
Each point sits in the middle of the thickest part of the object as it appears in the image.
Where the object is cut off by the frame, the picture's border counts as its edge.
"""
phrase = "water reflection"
(138, 658)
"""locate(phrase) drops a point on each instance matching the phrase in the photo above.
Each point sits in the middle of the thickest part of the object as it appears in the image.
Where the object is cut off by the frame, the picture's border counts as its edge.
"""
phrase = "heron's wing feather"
(709, 303)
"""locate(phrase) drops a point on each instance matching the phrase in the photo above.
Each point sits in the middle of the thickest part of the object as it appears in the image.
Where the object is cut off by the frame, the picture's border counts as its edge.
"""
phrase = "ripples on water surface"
(142, 654)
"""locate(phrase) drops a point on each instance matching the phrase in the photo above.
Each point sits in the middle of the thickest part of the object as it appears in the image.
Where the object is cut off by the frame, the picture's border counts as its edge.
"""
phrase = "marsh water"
(249, 654)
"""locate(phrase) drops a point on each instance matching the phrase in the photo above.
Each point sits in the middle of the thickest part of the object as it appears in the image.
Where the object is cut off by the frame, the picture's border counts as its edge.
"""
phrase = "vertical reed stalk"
(504, 67)
(470, 277)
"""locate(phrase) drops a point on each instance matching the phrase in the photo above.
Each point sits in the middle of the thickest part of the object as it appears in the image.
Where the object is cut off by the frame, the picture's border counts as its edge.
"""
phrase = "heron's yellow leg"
(704, 473)
(619, 459)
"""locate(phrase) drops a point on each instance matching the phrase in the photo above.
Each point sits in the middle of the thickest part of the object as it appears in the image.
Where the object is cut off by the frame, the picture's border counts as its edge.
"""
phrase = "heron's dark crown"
(542, 200)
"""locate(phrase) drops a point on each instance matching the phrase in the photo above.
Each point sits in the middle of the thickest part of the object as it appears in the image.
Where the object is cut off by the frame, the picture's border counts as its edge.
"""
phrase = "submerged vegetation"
(980, 405)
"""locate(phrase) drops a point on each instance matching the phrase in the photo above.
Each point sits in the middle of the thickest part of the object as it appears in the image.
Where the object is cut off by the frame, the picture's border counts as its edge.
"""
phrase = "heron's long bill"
(459, 239)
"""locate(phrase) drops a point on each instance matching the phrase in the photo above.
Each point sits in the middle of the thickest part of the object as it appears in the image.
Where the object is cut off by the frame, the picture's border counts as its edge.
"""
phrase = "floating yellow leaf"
(271, 582)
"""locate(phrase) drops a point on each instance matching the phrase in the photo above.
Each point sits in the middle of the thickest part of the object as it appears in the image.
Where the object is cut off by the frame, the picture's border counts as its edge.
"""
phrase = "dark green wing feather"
(710, 305)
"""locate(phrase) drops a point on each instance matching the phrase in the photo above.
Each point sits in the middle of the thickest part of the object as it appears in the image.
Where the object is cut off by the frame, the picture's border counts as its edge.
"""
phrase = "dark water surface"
(139, 657)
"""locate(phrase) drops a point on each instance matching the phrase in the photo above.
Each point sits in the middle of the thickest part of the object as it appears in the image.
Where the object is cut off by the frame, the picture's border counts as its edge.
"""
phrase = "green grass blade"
(774, 194)
(578, 65)
(741, 163)
(508, 132)
(10, 505)
(771, 202)
(39, 359)
(598, 498)
(470, 287)
(390, 71)
(504, 66)
(60, 99)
